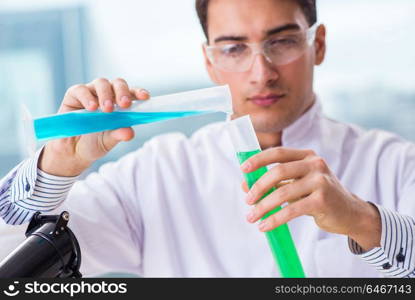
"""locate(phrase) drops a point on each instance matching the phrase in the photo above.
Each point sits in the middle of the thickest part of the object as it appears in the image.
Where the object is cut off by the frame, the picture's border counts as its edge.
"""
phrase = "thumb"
(109, 139)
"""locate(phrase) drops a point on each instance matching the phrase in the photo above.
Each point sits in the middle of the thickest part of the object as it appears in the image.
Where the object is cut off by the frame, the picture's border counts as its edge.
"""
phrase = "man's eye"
(283, 42)
(233, 50)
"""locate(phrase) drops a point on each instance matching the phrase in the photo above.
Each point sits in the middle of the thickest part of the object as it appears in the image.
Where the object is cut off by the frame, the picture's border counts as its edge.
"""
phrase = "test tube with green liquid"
(279, 239)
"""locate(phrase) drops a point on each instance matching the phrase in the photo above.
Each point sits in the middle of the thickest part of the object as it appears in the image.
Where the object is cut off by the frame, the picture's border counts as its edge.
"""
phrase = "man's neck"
(274, 139)
(269, 139)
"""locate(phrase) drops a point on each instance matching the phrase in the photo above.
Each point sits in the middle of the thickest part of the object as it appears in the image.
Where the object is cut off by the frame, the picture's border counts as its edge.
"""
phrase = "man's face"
(274, 96)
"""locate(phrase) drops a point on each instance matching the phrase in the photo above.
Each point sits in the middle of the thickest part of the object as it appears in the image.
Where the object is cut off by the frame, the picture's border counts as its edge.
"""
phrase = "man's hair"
(307, 6)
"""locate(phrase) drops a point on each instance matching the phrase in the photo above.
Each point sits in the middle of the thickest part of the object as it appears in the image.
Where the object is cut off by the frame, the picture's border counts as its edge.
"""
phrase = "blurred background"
(46, 46)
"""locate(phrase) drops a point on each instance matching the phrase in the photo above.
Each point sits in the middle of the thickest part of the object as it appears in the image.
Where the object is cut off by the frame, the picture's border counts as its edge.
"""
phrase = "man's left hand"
(315, 192)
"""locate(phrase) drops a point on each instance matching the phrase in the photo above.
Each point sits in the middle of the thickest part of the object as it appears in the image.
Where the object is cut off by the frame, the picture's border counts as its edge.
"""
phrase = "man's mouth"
(266, 100)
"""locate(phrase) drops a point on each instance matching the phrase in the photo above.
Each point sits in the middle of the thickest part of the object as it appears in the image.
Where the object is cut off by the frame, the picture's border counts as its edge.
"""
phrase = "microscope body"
(49, 251)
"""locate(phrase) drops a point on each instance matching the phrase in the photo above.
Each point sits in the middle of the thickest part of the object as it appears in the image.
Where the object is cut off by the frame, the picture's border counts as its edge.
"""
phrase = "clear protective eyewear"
(279, 50)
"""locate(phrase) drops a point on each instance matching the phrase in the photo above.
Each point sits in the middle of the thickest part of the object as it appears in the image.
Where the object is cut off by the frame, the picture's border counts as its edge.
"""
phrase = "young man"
(175, 206)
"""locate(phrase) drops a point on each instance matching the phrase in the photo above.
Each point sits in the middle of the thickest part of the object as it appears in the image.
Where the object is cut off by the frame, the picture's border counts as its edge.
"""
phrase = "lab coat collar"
(300, 131)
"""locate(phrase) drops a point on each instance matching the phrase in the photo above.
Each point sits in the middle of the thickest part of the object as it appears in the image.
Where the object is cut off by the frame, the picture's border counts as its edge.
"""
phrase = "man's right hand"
(71, 156)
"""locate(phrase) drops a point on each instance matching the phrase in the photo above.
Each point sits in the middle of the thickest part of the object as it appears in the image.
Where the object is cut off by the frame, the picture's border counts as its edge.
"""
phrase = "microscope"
(50, 250)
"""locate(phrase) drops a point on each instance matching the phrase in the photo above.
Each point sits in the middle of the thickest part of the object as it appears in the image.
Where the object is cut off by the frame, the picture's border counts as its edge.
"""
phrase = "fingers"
(286, 214)
(103, 94)
(307, 195)
(111, 138)
(287, 193)
(244, 186)
(122, 134)
(122, 92)
(270, 179)
(140, 94)
(274, 155)
(106, 97)
(79, 97)
(124, 95)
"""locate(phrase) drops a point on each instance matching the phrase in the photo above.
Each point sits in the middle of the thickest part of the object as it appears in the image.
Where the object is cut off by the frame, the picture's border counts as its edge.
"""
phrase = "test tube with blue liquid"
(167, 107)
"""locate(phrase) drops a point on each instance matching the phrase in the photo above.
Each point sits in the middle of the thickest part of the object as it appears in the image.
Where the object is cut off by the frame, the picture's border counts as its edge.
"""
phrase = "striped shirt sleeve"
(27, 189)
(396, 255)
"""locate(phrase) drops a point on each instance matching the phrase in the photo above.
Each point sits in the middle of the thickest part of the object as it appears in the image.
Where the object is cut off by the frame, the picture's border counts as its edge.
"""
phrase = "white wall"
(369, 43)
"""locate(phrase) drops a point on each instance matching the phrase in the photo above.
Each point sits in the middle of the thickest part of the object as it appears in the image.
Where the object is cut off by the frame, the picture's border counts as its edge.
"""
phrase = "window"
(41, 54)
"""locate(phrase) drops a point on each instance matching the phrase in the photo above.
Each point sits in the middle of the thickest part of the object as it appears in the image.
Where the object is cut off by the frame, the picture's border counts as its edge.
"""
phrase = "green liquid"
(279, 239)
(75, 123)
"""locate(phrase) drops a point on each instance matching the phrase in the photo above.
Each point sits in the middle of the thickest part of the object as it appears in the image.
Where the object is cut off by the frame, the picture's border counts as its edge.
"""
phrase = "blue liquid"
(74, 124)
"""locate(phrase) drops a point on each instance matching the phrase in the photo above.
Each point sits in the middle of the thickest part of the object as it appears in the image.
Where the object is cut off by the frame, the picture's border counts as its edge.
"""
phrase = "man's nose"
(262, 71)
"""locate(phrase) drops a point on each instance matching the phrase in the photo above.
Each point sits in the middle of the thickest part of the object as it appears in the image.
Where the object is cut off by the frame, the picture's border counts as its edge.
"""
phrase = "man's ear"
(320, 44)
(209, 67)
